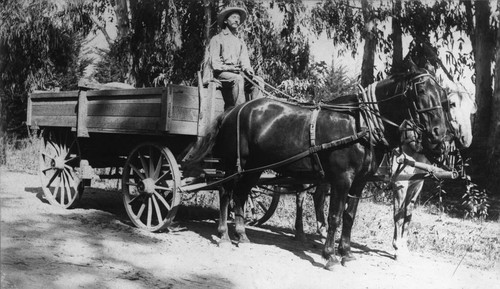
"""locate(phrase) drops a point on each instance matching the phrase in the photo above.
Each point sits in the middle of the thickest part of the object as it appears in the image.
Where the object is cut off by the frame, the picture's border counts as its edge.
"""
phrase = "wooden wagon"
(144, 133)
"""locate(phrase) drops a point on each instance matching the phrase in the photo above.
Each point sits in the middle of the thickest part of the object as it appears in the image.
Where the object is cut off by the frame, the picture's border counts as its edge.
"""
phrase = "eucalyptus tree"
(494, 138)
(163, 41)
(40, 43)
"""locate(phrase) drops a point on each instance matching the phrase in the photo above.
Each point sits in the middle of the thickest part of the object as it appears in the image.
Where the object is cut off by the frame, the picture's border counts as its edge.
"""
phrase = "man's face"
(233, 20)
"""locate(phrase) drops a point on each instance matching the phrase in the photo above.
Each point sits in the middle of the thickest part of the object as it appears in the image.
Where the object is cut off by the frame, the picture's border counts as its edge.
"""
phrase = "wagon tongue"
(431, 170)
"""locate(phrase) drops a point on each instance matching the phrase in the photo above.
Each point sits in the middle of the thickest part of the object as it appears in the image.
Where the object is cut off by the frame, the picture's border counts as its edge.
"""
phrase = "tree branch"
(102, 28)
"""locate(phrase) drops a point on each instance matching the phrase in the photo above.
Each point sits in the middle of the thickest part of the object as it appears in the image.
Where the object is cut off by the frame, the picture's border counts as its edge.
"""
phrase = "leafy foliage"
(156, 55)
(475, 201)
(323, 83)
(40, 42)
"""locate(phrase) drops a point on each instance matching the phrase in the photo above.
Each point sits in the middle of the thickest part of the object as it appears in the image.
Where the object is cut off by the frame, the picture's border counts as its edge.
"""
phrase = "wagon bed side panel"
(155, 111)
(124, 111)
(57, 109)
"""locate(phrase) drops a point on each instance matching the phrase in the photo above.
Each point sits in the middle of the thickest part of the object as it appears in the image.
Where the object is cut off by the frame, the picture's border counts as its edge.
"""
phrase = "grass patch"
(22, 154)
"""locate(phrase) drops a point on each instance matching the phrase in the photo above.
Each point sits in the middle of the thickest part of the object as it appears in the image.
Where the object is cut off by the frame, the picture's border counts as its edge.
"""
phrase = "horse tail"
(204, 146)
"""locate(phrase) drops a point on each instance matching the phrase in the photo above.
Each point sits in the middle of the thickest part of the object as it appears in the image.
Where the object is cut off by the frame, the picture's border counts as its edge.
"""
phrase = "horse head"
(413, 101)
(460, 106)
(428, 113)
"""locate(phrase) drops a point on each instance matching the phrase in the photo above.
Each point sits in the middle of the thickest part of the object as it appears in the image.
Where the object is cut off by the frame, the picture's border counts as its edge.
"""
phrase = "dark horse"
(264, 131)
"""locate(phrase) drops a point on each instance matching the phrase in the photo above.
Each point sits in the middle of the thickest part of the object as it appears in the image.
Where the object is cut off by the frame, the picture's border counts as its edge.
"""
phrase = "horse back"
(271, 131)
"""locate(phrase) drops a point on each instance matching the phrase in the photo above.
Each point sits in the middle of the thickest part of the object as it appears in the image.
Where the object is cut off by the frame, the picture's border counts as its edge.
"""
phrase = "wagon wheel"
(261, 204)
(150, 183)
(59, 156)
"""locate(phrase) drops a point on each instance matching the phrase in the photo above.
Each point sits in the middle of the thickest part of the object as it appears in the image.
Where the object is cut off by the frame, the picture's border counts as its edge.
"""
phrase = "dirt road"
(95, 246)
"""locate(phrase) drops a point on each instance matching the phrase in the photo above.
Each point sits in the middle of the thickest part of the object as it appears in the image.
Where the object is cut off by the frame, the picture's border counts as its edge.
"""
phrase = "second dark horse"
(267, 131)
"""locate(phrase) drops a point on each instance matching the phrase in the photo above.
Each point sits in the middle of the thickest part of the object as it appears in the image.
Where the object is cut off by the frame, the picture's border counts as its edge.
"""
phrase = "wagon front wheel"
(59, 156)
(261, 204)
(150, 183)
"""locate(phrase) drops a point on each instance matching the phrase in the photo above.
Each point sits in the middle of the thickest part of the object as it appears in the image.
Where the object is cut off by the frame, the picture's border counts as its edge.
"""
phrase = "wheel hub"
(146, 186)
(58, 163)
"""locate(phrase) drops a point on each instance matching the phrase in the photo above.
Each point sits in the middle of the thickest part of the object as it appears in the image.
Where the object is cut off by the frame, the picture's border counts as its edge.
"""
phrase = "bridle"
(413, 107)
(415, 112)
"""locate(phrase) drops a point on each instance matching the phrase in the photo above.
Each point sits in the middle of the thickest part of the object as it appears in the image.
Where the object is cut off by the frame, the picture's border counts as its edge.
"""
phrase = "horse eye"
(453, 104)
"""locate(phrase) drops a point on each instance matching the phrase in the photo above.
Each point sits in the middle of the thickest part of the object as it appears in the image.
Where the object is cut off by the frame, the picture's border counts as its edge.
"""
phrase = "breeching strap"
(312, 135)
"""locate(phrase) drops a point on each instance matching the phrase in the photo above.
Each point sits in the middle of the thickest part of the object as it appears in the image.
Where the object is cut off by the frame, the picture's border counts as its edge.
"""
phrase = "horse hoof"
(243, 244)
(224, 243)
(399, 257)
(346, 259)
(331, 264)
(243, 240)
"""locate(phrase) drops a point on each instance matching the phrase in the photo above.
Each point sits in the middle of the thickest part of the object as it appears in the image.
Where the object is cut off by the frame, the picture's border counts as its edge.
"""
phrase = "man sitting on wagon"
(228, 59)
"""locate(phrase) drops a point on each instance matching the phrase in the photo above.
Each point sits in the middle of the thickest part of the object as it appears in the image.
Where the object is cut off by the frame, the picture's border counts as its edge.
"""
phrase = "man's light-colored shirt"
(228, 50)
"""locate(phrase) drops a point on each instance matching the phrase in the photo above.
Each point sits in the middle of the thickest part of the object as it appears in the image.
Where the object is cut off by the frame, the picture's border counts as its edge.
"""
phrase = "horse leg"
(413, 191)
(339, 188)
(348, 222)
(319, 204)
(399, 212)
(240, 197)
(299, 223)
(224, 198)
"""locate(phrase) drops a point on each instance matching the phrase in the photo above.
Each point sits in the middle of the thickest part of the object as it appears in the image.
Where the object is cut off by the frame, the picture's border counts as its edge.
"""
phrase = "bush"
(475, 202)
(22, 154)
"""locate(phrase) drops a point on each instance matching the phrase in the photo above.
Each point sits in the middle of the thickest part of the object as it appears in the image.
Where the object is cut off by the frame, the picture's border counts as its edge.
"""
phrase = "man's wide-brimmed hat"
(227, 11)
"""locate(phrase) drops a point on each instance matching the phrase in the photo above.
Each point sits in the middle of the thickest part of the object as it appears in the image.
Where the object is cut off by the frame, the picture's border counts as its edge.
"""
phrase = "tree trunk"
(494, 141)
(122, 18)
(208, 21)
(368, 64)
(397, 56)
(483, 53)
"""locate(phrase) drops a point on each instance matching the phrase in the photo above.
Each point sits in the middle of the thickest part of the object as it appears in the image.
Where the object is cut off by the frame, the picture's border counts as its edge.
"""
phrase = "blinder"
(414, 111)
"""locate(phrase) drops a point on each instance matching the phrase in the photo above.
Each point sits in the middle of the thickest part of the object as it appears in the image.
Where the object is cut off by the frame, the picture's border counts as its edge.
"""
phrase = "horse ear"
(412, 67)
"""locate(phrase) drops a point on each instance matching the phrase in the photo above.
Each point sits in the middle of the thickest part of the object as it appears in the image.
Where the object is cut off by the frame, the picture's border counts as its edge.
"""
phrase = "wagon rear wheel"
(150, 183)
(59, 156)
(262, 203)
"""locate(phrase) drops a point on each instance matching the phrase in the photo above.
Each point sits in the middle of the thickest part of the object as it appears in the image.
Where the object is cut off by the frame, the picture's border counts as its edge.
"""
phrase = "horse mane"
(343, 99)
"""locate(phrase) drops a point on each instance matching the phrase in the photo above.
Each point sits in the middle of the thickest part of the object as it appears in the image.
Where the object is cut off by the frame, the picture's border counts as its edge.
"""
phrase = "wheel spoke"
(70, 178)
(70, 159)
(54, 176)
(47, 169)
(133, 199)
(56, 148)
(162, 177)
(141, 210)
(137, 172)
(151, 165)
(150, 212)
(56, 190)
(157, 169)
(144, 164)
(63, 188)
(163, 188)
(162, 199)
(47, 155)
(157, 209)
(69, 149)
(262, 206)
